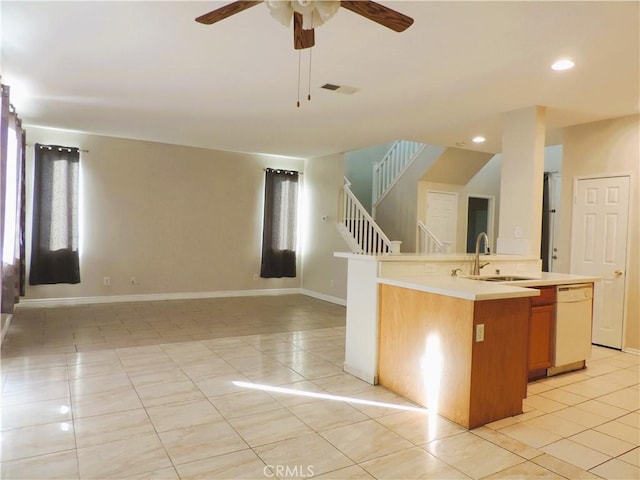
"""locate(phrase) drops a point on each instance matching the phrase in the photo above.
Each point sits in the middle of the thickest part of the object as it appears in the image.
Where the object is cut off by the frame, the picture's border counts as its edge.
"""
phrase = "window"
(10, 199)
(54, 244)
(279, 228)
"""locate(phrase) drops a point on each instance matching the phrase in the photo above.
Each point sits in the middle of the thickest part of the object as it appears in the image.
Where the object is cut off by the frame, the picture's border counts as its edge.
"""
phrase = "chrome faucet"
(476, 260)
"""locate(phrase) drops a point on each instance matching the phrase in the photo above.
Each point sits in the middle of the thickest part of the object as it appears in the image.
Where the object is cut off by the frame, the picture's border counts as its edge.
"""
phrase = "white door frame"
(574, 193)
(491, 215)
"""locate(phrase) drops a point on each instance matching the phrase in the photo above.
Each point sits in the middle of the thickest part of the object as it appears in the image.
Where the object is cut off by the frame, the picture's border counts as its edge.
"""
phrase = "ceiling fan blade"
(302, 38)
(226, 11)
(379, 13)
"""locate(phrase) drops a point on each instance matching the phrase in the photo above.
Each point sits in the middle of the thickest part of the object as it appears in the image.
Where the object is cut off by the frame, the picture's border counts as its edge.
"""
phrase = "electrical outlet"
(331, 283)
(517, 232)
(106, 281)
(480, 332)
(429, 268)
(256, 276)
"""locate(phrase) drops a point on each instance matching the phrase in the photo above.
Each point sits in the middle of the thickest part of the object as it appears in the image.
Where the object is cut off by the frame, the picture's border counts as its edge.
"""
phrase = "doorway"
(599, 237)
(479, 219)
(442, 217)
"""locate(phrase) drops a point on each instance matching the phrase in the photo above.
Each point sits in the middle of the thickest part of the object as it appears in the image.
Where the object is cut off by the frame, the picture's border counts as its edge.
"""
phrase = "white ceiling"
(147, 70)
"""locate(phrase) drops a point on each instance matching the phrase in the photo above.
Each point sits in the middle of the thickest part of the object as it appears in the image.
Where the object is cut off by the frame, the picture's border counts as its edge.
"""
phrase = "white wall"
(600, 148)
(179, 219)
(553, 158)
(324, 274)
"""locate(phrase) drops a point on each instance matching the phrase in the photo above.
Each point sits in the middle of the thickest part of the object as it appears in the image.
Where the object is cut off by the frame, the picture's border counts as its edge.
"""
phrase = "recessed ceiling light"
(563, 64)
(478, 139)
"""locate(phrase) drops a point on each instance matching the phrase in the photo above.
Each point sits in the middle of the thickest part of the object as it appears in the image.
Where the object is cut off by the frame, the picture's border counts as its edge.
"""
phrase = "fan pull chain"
(309, 87)
(300, 76)
(299, 61)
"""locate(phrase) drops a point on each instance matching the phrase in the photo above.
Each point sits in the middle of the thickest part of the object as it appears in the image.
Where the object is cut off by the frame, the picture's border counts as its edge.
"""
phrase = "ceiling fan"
(308, 14)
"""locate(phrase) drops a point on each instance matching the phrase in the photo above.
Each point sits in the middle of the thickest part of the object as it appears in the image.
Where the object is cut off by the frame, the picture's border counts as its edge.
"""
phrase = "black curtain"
(544, 241)
(12, 146)
(279, 227)
(54, 244)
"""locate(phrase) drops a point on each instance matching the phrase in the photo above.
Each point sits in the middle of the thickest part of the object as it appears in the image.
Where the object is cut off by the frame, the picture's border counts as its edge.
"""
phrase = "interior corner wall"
(178, 219)
(604, 148)
(324, 274)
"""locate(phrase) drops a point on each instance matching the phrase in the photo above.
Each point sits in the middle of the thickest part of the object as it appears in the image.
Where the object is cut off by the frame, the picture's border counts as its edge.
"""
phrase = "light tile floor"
(145, 390)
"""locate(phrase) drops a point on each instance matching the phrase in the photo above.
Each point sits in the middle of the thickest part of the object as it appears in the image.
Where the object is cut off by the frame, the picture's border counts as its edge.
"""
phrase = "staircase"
(358, 228)
(387, 172)
(395, 189)
(428, 242)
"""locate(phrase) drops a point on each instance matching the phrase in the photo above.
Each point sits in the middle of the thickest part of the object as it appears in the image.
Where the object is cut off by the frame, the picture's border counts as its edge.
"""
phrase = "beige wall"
(179, 219)
(600, 148)
(323, 273)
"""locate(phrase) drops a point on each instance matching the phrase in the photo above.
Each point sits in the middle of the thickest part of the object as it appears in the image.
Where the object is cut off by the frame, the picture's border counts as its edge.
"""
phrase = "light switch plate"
(480, 332)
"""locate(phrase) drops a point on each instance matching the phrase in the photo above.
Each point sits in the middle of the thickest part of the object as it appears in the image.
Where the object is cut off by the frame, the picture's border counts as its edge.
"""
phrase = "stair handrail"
(387, 172)
(358, 223)
(430, 243)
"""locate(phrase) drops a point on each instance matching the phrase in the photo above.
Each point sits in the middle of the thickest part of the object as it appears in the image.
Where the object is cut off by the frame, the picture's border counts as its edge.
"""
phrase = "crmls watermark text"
(287, 471)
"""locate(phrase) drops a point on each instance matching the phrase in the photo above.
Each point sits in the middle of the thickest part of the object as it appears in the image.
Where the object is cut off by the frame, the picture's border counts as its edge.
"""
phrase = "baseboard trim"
(151, 297)
(322, 296)
(634, 351)
(361, 374)
(5, 326)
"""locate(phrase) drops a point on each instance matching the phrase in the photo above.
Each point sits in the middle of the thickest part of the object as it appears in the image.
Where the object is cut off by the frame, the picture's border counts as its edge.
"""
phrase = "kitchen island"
(457, 346)
(414, 328)
(363, 272)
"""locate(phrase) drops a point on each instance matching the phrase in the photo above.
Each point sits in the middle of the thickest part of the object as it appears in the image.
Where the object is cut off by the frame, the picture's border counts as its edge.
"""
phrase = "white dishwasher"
(573, 324)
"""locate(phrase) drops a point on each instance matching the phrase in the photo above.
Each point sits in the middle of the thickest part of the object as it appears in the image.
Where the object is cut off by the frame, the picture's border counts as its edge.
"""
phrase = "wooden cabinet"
(431, 353)
(541, 328)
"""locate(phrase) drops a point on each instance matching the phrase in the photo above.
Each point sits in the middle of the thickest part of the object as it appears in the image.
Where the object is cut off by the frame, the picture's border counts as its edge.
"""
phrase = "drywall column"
(520, 228)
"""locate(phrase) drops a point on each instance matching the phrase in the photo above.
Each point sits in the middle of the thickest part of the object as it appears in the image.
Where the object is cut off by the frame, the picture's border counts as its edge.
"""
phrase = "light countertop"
(478, 290)
(459, 287)
(548, 278)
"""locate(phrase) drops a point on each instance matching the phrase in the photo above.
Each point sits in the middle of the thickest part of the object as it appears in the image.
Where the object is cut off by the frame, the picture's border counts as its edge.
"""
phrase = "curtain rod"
(63, 148)
(283, 170)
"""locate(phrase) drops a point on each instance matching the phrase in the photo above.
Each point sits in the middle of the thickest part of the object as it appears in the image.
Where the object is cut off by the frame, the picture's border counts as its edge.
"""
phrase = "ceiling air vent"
(340, 88)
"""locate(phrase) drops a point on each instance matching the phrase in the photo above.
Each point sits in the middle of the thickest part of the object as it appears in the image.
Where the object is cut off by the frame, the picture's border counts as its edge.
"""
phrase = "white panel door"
(599, 247)
(442, 217)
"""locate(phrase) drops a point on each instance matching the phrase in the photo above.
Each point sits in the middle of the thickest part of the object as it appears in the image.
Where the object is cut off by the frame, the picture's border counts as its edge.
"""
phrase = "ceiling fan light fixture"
(314, 12)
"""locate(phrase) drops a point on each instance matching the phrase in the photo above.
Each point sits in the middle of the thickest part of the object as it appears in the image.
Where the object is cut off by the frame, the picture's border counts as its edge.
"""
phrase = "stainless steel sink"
(503, 278)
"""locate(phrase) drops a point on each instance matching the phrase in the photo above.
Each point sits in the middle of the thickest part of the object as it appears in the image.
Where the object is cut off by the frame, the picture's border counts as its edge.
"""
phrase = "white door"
(442, 217)
(599, 247)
